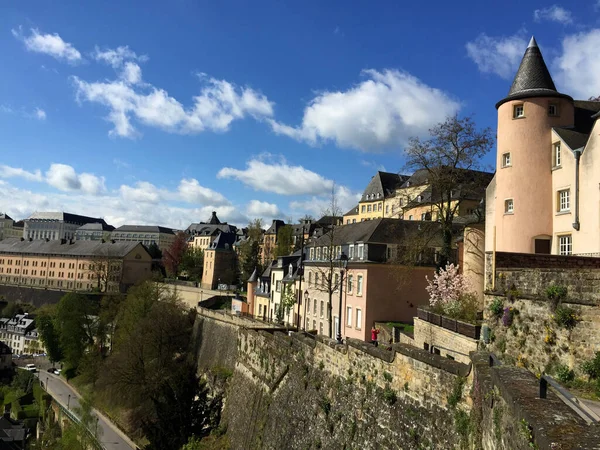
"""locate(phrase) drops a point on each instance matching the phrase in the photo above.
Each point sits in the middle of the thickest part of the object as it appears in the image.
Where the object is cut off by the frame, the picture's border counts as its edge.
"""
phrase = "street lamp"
(342, 263)
(305, 303)
(69, 402)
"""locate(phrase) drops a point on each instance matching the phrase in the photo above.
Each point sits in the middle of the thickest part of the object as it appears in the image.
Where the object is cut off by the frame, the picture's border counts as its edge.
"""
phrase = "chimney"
(30, 239)
(63, 241)
(71, 241)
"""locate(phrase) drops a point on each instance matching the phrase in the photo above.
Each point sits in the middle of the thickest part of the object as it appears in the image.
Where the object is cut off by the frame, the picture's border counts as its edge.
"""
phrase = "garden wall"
(447, 342)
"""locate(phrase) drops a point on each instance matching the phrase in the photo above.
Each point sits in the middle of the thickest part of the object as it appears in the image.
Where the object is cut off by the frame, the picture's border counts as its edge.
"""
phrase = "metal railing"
(588, 255)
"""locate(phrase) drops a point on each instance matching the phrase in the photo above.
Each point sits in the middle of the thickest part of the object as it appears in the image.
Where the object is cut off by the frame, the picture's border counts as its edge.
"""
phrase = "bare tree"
(451, 156)
(326, 271)
(107, 267)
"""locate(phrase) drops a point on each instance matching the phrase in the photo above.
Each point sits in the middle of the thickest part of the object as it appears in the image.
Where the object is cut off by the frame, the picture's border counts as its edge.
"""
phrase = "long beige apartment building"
(73, 265)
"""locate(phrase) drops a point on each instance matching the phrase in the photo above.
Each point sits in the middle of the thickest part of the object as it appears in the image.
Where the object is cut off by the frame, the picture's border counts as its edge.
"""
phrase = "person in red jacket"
(374, 333)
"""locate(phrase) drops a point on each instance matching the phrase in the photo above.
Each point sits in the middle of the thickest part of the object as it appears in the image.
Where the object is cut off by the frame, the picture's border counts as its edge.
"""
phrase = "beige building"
(544, 197)
(20, 334)
(73, 265)
(9, 228)
(220, 262)
(203, 234)
(146, 234)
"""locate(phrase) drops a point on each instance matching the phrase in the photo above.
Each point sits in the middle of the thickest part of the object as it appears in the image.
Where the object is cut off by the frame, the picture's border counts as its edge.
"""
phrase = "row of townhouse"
(384, 278)
(73, 265)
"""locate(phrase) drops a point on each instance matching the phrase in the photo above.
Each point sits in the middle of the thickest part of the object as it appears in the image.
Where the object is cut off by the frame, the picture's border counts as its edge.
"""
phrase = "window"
(316, 279)
(564, 204)
(318, 253)
(351, 251)
(410, 217)
(350, 280)
(423, 215)
(363, 208)
(325, 253)
(419, 198)
(379, 206)
(509, 206)
(518, 111)
(315, 309)
(368, 208)
(387, 209)
(314, 325)
(349, 316)
(309, 278)
(358, 318)
(336, 281)
(359, 283)
(565, 245)
(557, 157)
(506, 160)
(321, 328)
(361, 251)
(322, 307)
(553, 109)
(311, 253)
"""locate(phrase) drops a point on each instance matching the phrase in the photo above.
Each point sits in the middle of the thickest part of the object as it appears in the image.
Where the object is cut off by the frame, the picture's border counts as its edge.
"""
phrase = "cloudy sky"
(161, 112)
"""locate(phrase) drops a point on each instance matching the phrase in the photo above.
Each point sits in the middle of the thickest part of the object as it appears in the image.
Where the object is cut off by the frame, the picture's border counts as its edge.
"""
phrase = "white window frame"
(557, 154)
(564, 200)
(351, 251)
(361, 251)
(518, 111)
(565, 244)
(556, 112)
(509, 206)
(350, 283)
(359, 284)
(358, 318)
(348, 316)
(506, 160)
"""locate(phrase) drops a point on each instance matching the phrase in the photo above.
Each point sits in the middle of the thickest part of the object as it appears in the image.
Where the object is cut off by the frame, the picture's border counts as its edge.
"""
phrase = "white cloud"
(383, 111)
(264, 210)
(578, 65)
(278, 177)
(16, 172)
(50, 44)
(320, 205)
(215, 108)
(40, 113)
(553, 13)
(497, 55)
(121, 164)
(190, 190)
(60, 176)
(117, 56)
(64, 178)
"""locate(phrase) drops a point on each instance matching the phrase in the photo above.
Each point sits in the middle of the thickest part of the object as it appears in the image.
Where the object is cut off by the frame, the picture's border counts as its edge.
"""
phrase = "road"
(109, 436)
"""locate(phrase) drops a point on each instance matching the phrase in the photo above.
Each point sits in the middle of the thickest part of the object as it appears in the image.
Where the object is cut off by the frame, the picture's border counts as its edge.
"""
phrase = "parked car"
(51, 369)
(57, 371)
(31, 367)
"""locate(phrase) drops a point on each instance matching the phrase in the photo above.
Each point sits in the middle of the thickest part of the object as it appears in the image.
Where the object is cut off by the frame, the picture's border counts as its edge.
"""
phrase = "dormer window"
(408, 184)
(420, 198)
(378, 195)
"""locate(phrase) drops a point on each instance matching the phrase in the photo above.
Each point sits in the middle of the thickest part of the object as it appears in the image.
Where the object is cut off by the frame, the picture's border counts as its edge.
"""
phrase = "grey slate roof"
(254, 277)
(384, 184)
(384, 231)
(574, 139)
(144, 229)
(533, 78)
(214, 220)
(64, 216)
(275, 226)
(96, 226)
(77, 248)
(224, 241)
(420, 177)
(5, 216)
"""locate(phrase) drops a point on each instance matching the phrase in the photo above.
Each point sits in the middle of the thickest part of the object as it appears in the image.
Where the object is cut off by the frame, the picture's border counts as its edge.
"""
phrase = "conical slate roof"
(254, 277)
(533, 78)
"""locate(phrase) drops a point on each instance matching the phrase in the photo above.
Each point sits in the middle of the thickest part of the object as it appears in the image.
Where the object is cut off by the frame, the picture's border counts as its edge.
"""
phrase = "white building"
(20, 334)
(55, 225)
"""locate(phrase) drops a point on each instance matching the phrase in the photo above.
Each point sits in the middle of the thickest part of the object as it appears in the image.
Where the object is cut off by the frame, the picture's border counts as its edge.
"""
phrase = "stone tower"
(523, 199)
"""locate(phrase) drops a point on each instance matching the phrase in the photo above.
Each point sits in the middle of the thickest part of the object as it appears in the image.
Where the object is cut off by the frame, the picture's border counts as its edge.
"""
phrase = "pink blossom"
(447, 287)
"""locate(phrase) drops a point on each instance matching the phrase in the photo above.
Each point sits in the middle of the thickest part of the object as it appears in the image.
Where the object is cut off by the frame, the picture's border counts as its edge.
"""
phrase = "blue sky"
(161, 112)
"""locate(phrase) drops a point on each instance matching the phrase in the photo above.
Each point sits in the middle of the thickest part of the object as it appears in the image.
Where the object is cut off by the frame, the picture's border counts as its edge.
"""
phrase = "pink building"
(544, 197)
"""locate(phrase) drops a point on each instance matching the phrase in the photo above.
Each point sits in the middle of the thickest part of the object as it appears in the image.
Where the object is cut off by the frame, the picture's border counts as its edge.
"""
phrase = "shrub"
(450, 293)
(566, 317)
(564, 374)
(325, 405)
(497, 307)
(507, 316)
(591, 367)
(456, 393)
(387, 376)
(556, 294)
(389, 395)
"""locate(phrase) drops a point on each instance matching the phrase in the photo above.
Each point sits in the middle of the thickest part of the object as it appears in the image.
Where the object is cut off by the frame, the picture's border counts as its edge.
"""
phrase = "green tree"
(75, 322)
(453, 150)
(49, 335)
(285, 242)
(174, 254)
(192, 263)
(155, 251)
(84, 434)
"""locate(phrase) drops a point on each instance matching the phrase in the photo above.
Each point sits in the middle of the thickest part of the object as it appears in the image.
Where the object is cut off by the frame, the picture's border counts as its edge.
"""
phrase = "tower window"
(557, 155)
(553, 109)
(518, 111)
(509, 206)
(506, 162)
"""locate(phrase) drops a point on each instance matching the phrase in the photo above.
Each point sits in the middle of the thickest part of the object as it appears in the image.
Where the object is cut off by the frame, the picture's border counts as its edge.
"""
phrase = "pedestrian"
(374, 333)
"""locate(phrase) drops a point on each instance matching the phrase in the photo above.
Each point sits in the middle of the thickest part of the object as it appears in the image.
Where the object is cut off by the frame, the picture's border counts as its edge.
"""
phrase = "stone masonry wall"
(448, 342)
(536, 342)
